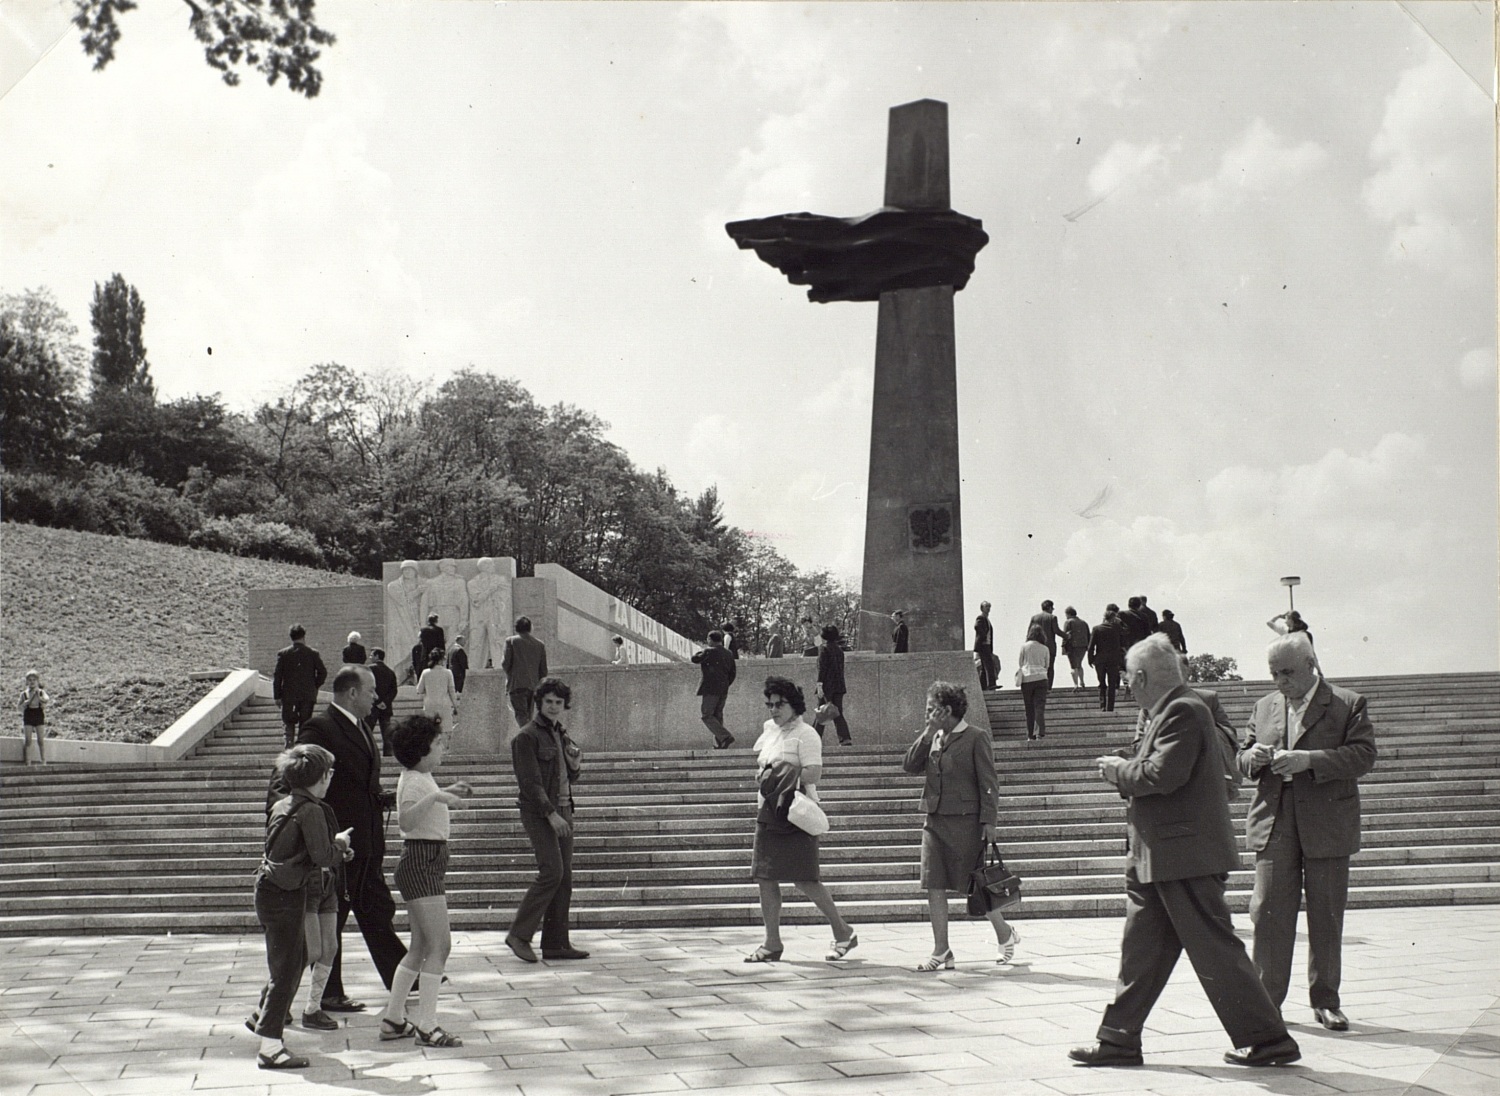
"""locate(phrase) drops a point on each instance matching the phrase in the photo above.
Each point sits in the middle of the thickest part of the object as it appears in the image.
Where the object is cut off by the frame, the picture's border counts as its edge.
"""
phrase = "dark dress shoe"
(253, 1020)
(319, 1021)
(1331, 1018)
(1106, 1054)
(342, 1004)
(1278, 1052)
(522, 948)
(564, 953)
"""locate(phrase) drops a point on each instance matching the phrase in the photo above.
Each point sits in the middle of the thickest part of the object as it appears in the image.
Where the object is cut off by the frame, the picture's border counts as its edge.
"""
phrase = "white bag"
(806, 815)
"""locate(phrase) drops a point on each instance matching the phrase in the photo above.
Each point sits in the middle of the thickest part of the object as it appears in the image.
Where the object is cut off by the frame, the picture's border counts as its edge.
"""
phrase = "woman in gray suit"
(959, 798)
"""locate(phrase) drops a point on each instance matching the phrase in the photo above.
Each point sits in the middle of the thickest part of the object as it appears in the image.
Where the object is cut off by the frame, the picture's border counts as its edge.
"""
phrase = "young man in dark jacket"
(717, 665)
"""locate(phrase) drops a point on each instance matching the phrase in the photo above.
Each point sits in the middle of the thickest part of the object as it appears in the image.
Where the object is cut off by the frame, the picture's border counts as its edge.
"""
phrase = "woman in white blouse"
(1031, 675)
(439, 696)
(789, 757)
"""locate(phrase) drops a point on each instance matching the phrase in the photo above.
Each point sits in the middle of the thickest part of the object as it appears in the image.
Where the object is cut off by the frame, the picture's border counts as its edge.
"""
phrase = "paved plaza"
(676, 1010)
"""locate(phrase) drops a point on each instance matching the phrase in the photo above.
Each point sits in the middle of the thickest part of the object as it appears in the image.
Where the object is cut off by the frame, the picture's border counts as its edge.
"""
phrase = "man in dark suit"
(1046, 620)
(1182, 849)
(357, 800)
(1148, 616)
(984, 647)
(458, 662)
(1172, 630)
(525, 664)
(1107, 655)
(1308, 744)
(1134, 623)
(300, 673)
(386, 689)
(717, 667)
(899, 634)
(432, 638)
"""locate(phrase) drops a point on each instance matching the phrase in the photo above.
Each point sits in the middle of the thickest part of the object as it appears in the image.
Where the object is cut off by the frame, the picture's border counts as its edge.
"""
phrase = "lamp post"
(1290, 581)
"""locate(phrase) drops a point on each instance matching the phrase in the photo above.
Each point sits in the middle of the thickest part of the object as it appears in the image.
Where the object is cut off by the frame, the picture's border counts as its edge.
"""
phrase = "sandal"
(437, 1037)
(391, 1030)
(936, 962)
(842, 948)
(764, 954)
(281, 1059)
(1008, 949)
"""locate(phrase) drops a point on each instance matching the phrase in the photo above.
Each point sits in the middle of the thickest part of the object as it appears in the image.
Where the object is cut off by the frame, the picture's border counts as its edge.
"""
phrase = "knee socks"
(320, 973)
(432, 980)
(401, 983)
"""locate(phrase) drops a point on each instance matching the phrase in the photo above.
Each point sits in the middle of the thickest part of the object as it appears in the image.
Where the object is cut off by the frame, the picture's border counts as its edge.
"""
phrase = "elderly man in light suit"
(1182, 849)
(1308, 744)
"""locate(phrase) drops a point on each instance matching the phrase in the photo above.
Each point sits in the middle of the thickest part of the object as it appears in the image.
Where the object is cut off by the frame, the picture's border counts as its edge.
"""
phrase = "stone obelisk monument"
(911, 255)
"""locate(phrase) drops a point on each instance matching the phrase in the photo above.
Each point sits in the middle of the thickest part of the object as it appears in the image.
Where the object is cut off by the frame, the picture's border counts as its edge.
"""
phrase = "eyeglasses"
(773, 705)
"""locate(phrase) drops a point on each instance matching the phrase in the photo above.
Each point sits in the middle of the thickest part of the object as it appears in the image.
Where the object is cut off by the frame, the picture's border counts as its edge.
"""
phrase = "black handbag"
(993, 886)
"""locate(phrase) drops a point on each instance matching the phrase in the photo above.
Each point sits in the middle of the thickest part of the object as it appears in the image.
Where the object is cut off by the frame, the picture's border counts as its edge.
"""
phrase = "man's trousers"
(1282, 873)
(373, 907)
(1162, 920)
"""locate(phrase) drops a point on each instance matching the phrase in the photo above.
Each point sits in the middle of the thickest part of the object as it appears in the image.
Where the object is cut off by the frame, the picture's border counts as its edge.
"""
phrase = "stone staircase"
(665, 838)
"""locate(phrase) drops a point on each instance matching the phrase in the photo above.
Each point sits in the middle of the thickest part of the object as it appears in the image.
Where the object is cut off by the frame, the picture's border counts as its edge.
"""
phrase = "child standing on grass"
(298, 846)
(34, 717)
(422, 813)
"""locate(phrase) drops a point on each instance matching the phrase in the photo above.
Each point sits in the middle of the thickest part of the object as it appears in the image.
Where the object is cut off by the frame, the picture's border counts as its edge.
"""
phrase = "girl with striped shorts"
(422, 813)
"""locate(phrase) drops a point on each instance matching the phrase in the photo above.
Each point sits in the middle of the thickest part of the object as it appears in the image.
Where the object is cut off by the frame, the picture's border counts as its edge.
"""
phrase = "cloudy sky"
(1236, 319)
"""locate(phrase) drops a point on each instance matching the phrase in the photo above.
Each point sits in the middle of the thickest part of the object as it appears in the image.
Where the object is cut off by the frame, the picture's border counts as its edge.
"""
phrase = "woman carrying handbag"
(789, 761)
(959, 800)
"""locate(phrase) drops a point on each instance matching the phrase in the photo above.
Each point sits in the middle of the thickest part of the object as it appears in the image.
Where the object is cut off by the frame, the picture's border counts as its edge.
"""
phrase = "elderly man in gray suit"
(1182, 849)
(1308, 744)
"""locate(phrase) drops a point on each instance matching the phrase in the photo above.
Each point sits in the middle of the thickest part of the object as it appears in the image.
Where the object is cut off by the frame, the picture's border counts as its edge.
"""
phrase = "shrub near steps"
(665, 837)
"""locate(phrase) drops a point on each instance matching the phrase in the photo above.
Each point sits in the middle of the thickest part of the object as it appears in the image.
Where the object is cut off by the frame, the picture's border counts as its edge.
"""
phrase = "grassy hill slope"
(114, 625)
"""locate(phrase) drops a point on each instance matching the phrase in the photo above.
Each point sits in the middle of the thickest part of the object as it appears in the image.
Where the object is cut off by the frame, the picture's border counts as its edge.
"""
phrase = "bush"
(245, 536)
(1206, 667)
(102, 500)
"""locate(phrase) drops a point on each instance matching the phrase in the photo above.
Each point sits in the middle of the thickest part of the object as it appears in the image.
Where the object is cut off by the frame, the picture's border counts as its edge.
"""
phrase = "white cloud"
(1428, 184)
(1258, 163)
(1125, 163)
(1476, 369)
(1354, 526)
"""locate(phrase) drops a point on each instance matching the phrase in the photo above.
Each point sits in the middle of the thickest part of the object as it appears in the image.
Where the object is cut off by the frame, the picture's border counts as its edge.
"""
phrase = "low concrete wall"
(176, 742)
(588, 618)
(329, 613)
(654, 707)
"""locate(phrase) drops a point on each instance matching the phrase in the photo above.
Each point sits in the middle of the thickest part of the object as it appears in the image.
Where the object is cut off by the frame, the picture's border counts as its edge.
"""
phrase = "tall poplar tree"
(119, 315)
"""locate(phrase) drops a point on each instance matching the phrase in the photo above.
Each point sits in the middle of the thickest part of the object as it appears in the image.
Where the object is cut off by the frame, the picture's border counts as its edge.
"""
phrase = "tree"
(274, 37)
(37, 404)
(119, 316)
(36, 314)
(1206, 667)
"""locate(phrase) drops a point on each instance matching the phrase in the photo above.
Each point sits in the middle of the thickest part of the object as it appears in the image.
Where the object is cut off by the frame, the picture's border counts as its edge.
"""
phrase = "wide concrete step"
(620, 802)
(665, 837)
(468, 875)
(589, 890)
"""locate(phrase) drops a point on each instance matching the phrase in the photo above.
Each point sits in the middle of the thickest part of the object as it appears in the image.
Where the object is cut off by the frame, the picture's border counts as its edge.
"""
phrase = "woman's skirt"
(951, 847)
(422, 869)
(783, 857)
